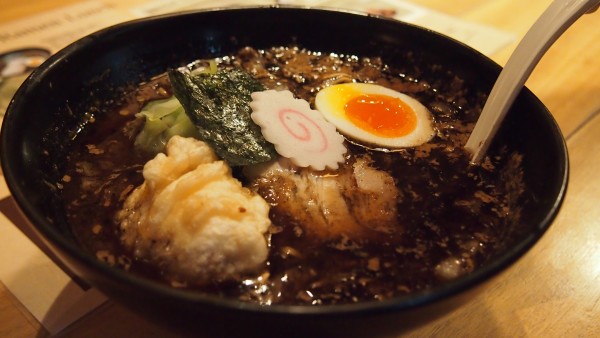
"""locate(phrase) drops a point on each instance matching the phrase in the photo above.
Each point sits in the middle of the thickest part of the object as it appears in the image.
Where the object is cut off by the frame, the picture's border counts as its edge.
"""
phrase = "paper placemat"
(49, 294)
(485, 39)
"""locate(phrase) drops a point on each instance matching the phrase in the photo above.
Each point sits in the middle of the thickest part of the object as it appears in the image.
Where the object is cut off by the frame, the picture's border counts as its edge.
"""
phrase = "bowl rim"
(44, 228)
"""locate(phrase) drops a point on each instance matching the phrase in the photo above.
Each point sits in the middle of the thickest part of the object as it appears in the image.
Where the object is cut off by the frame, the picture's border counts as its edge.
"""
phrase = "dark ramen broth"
(453, 215)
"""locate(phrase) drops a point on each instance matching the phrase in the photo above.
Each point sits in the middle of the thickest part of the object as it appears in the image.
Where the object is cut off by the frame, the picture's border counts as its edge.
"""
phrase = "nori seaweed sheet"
(218, 104)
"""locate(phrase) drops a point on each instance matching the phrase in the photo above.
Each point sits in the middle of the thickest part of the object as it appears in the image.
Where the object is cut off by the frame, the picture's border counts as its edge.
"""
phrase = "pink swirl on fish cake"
(295, 121)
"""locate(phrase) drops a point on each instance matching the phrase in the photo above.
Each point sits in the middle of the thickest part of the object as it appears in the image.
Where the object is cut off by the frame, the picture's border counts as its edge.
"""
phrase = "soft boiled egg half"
(376, 115)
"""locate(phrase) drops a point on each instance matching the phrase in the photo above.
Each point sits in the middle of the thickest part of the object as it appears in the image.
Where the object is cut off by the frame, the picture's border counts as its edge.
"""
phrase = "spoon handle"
(544, 32)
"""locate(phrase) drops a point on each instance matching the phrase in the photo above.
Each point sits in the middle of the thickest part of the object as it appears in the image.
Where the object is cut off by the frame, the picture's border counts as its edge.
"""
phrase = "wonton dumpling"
(194, 220)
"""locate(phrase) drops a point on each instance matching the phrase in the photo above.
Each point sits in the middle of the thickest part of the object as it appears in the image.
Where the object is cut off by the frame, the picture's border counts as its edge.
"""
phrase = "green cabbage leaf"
(164, 119)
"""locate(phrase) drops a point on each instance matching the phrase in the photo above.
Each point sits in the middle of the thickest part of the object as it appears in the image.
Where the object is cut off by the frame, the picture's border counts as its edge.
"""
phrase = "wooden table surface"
(554, 291)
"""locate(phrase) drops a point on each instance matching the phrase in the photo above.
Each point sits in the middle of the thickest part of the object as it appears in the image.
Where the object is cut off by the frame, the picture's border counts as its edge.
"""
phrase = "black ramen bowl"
(42, 122)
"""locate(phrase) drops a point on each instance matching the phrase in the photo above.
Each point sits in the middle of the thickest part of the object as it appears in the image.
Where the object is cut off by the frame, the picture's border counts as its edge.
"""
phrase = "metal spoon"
(544, 32)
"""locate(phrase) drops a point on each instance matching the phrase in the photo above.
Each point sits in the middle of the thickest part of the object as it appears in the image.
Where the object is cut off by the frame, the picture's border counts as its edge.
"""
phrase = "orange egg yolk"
(381, 115)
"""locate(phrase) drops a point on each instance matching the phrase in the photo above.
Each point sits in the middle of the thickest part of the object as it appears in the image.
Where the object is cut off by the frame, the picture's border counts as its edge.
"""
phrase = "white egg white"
(330, 102)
